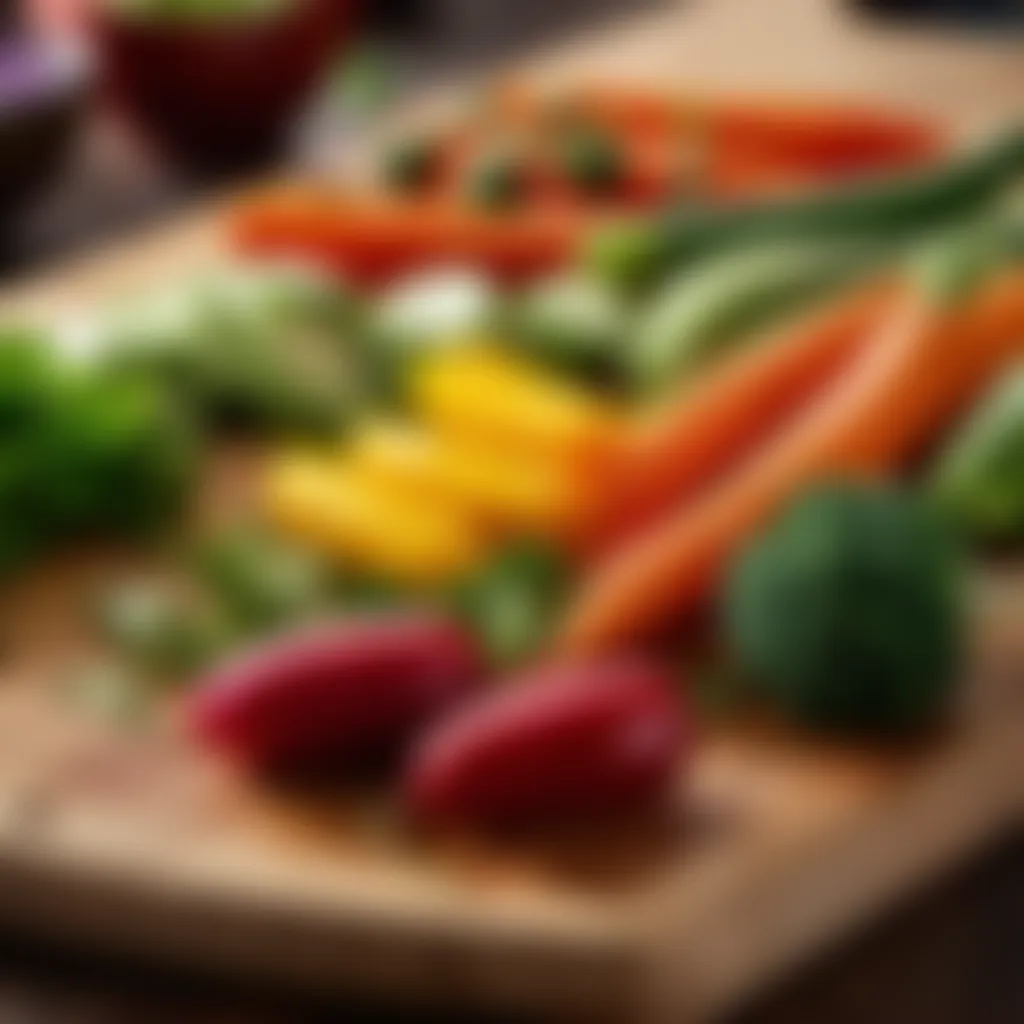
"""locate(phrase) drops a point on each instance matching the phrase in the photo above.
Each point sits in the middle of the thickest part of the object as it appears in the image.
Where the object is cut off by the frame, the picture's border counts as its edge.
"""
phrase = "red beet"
(340, 694)
(572, 740)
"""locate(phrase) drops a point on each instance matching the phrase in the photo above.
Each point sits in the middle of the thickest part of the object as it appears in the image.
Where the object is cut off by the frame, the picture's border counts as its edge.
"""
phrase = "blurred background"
(115, 115)
(121, 134)
(123, 118)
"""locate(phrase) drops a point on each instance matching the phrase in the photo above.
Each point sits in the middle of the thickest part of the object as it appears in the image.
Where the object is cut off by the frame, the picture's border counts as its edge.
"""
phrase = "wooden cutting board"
(778, 844)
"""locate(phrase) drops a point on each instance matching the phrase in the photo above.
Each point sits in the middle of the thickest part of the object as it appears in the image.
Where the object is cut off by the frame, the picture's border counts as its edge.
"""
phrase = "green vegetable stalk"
(572, 322)
(265, 350)
(978, 480)
(643, 251)
(698, 314)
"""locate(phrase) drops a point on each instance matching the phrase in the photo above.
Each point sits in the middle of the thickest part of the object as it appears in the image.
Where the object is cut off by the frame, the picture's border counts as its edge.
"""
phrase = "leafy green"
(265, 349)
(158, 629)
(82, 455)
(701, 312)
(118, 458)
(950, 264)
(259, 581)
(627, 254)
(513, 599)
(644, 250)
(978, 481)
(847, 612)
(571, 321)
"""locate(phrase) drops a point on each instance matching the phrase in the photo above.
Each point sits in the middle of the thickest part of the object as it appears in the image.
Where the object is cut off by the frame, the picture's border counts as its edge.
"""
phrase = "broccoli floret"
(121, 457)
(847, 613)
(82, 455)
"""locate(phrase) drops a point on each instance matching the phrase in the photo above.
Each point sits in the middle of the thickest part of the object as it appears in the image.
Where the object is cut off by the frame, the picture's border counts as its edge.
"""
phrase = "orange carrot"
(922, 366)
(683, 443)
(657, 170)
(371, 238)
(830, 135)
(833, 137)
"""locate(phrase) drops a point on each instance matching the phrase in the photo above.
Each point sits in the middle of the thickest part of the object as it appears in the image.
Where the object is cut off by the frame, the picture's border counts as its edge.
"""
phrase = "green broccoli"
(847, 612)
(119, 458)
(81, 454)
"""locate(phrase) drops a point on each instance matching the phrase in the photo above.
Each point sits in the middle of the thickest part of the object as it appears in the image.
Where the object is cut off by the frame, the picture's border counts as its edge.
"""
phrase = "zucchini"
(978, 481)
(572, 322)
(699, 314)
(639, 252)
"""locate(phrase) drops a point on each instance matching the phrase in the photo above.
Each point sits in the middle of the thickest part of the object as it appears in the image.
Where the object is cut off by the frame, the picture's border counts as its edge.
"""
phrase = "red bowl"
(220, 94)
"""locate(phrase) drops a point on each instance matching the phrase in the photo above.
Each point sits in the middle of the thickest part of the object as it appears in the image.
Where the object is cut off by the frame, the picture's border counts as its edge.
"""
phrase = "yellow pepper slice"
(502, 489)
(359, 521)
(492, 397)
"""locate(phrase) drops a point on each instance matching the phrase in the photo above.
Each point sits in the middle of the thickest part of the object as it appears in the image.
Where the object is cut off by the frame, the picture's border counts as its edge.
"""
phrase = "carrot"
(683, 443)
(371, 238)
(655, 169)
(658, 170)
(837, 137)
(829, 135)
(925, 362)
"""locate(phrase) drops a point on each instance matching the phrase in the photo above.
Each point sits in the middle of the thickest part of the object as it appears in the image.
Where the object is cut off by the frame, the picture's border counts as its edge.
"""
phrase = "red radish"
(579, 739)
(337, 694)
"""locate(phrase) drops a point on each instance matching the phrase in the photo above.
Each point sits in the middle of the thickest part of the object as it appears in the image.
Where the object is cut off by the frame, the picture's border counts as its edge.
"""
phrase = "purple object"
(43, 85)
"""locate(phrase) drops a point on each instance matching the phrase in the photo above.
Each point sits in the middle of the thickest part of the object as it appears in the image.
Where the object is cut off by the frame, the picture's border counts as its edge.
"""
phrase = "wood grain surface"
(777, 845)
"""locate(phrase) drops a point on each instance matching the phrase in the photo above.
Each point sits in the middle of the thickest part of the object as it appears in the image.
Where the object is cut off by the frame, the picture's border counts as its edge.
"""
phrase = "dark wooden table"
(955, 955)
